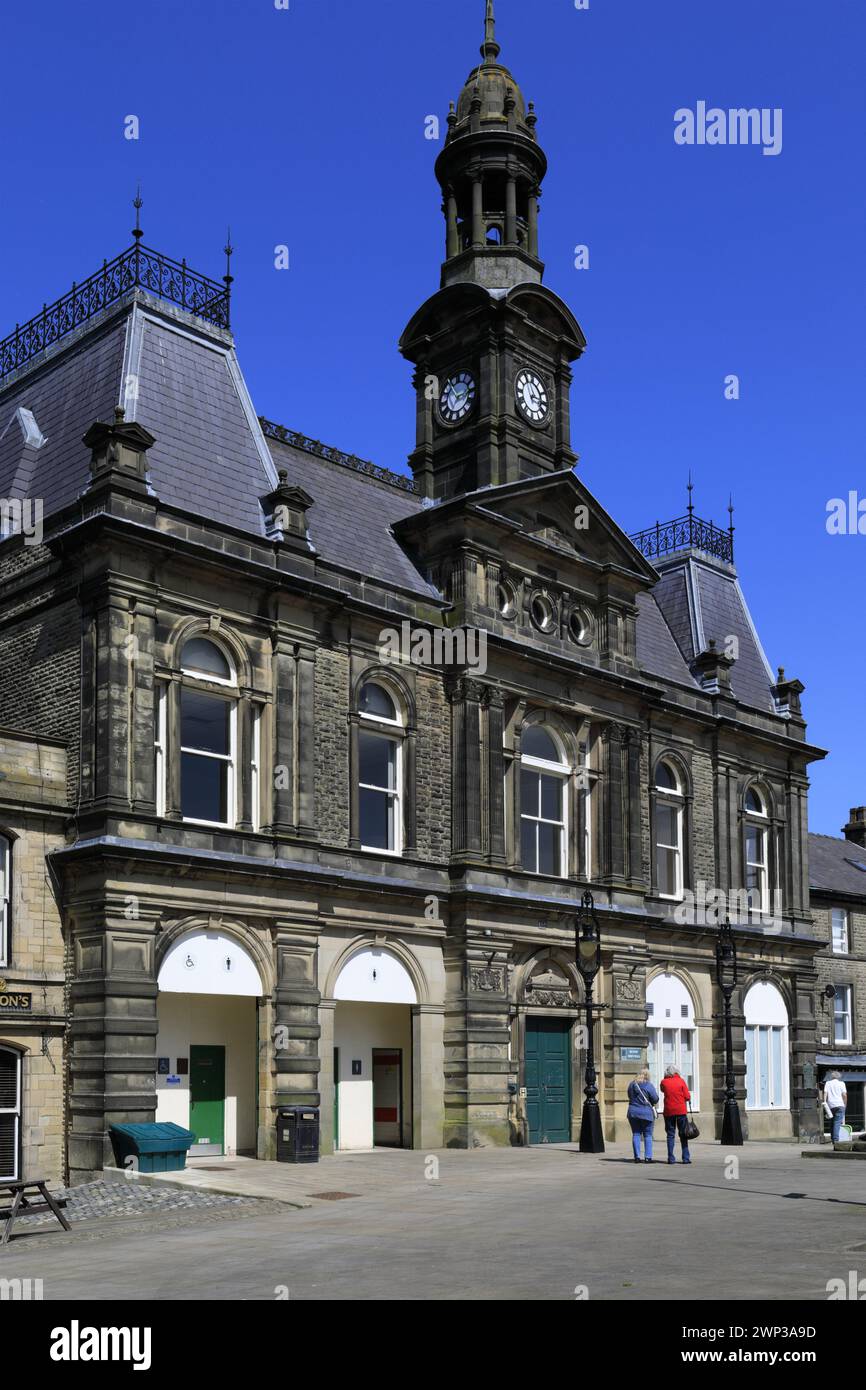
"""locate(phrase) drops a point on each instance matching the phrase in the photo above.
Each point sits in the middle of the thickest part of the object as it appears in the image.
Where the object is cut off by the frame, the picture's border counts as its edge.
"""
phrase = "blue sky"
(305, 127)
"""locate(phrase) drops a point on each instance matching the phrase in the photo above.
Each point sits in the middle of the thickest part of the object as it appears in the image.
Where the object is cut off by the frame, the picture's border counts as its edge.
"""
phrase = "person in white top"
(835, 1099)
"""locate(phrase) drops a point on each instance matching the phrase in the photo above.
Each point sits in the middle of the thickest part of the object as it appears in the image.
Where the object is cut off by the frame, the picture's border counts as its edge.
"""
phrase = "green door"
(207, 1097)
(548, 1080)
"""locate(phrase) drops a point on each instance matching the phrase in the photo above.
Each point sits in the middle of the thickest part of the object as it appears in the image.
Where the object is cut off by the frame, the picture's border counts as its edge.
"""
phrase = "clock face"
(531, 394)
(458, 397)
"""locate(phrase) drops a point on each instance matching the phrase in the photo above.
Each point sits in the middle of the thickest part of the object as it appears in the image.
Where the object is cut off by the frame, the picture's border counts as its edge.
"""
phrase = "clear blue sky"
(306, 127)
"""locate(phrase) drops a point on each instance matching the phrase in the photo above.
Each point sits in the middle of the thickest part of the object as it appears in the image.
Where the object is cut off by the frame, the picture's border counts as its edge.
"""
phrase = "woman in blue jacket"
(642, 1098)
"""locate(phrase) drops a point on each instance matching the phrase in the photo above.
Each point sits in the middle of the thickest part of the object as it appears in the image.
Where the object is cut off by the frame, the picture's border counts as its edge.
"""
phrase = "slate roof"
(832, 865)
(701, 598)
(350, 521)
(181, 380)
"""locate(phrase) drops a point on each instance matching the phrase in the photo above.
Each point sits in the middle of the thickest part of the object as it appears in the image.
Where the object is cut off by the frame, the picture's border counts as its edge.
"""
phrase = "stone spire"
(490, 48)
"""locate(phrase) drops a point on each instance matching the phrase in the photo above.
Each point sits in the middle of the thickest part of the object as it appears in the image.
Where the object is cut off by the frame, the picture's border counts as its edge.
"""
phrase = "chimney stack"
(855, 830)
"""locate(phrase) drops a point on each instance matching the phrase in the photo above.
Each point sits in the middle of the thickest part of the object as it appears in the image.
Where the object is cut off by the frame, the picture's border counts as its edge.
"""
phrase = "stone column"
(113, 1030)
(296, 1021)
(738, 1031)
(613, 843)
(511, 212)
(625, 1028)
(305, 714)
(452, 243)
(495, 700)
(465, 696)
(282, 774)
(477, 211)
(327, 1080)
(428, 1069)
(533, 221)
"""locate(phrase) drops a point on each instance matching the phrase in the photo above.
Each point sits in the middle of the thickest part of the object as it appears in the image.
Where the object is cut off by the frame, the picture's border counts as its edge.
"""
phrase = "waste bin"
(297, 1134)
(158, 1148)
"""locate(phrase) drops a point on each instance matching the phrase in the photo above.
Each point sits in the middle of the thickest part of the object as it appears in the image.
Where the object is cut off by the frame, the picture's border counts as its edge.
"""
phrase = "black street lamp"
(587, 952)
(726, 975)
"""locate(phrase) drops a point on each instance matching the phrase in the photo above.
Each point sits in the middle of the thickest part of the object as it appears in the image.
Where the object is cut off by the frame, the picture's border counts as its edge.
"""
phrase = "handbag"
(691, 1130)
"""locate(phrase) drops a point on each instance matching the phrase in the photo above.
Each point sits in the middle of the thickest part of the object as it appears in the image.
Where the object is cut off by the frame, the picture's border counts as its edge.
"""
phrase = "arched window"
(673, 1037)
(208, 734)
(5, 899)
(767, 1068)
(10, 1113)
(380, 770)
(668, 816)
(756, 848)
(544, 774)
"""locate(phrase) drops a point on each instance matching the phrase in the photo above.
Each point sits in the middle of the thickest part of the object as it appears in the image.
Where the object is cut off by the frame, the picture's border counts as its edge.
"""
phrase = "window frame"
(846, 923)
(200, 682)
(673, 799)
(846, 991)
(759, 823)
(6, 900)
(392, 731)
(16, 1111)
(561, 772)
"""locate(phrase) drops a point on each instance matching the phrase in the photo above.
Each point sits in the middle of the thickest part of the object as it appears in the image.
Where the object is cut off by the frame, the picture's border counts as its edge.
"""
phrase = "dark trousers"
(676, 1124)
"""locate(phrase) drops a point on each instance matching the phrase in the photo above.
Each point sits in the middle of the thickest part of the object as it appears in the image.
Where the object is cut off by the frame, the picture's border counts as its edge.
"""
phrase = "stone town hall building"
(249, 857)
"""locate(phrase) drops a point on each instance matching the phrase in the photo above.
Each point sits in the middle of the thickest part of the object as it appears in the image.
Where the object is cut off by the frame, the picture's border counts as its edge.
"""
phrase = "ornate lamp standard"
(587, 953)
(726, 975)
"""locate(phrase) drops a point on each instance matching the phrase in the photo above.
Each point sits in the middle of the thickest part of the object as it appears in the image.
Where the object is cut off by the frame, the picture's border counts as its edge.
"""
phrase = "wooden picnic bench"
(23, 1203)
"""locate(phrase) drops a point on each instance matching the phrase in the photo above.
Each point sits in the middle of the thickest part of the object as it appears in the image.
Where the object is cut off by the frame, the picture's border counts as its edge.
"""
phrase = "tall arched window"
(10, 1113)
(767, 1086)
(673, 1036)
(544, 774)
(757, 848)
(5, 899)
(380, 770)
(668, 817)
(208, 734)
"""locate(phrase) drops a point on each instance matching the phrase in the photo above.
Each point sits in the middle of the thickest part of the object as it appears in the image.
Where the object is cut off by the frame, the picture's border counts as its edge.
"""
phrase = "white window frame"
(586, 786)
(256, 767)
(675, 801)
(15, 1112)
(839, 917)
(160, 751)
(382, 727)
(759, 822)
(847, 993)
(5, 898)
(204, 683)
(561, 771)
(782, 1101)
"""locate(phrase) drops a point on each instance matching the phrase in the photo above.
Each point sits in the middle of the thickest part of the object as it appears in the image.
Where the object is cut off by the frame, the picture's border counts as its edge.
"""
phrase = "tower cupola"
(490, 170)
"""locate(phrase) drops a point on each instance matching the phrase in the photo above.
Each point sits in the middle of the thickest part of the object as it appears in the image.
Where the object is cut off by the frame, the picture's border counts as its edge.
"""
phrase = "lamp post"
(587, 952)
(726, 975)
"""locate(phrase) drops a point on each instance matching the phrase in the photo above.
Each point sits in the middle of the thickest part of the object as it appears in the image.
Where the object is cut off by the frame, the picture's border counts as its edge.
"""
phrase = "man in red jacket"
(677, 1096)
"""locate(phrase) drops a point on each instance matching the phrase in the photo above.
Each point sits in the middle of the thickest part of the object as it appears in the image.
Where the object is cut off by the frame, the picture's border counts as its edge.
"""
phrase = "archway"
(207, 1047)
(375, 996)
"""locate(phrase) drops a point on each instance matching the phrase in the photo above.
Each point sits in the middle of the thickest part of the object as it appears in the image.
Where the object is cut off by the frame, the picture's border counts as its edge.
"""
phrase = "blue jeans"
(641, 1128)
(675, 1124)
(837, 1122)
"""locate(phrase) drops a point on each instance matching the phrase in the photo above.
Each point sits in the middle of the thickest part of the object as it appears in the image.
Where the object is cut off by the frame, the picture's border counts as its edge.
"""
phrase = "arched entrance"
(375, 997)
(207, 1046)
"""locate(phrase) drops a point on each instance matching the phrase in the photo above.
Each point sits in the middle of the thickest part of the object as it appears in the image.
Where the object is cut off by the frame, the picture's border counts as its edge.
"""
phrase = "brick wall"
(332, 746)
(433, 769)
(40, 691)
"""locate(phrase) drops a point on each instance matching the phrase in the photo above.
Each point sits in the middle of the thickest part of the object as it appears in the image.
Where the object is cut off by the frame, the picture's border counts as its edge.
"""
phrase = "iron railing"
(325, 451)
(685, 533)
(137, 268)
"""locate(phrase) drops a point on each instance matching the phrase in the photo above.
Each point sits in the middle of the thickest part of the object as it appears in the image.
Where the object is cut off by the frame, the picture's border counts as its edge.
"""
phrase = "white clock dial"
(457, 398)
(531, 395)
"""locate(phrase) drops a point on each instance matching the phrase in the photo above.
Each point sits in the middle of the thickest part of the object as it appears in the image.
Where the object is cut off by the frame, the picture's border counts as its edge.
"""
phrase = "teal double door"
(547, 1075)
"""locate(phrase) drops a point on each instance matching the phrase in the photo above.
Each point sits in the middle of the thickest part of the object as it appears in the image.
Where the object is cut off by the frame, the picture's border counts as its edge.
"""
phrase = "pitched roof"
(833, 865)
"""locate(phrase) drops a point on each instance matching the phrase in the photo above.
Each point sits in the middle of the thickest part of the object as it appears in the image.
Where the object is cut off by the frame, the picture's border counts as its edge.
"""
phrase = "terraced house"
(284, 864)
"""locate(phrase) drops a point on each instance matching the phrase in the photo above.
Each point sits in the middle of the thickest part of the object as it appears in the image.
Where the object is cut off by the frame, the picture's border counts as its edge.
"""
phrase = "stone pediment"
(549, 987)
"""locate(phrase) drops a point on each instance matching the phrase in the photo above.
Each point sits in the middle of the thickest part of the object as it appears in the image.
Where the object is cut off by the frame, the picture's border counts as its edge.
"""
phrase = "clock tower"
(493, 347)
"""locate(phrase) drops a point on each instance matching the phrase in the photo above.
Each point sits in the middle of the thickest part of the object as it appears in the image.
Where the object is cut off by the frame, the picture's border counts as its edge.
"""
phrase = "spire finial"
(490, 48)
(691, 488)
(228, 249)
(138, 204)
